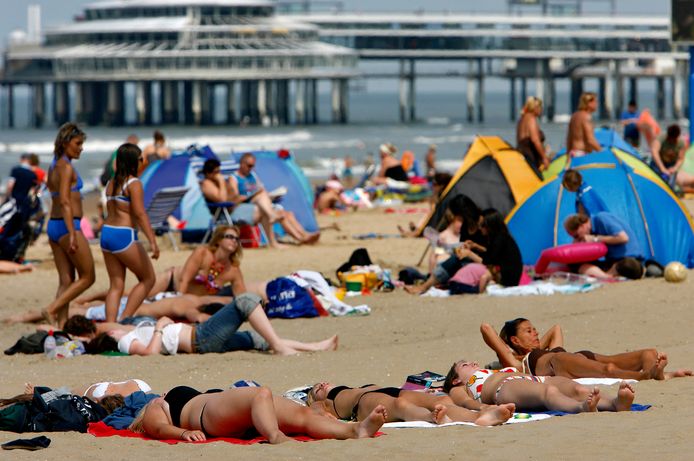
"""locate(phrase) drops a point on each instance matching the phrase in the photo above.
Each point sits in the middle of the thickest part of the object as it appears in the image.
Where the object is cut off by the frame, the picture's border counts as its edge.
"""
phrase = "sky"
(55, 12)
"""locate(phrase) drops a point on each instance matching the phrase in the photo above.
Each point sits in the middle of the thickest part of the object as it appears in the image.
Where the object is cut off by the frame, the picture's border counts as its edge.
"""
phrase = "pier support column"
(540, 80)
(39, 105)
(253, 102)
(299, 101)
(609, 91)
(335, 100)
(114, 104)
(206, 102)
(169, 101)
(412, 96)
(619, 89)
(677, 87)
(403, 93)
(576, 92)
(79, 115)
(660, 98)
(480, 91)
(512, 99)
(61, 103)
(244, 111)
(231, 103)
(196, 103)
(307, 102)
(602, 97)
(314, 101)
(551, 101)
(273, 102)
(470, 92)
(634, 90)
(187, 88)
(262, 102)
(10, 106)
(143, 103)
(344, 100)
(283, 98)
(524, 90)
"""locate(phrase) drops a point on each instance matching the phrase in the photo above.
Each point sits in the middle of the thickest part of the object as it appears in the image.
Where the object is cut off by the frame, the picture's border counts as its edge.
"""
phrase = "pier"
(178, 63)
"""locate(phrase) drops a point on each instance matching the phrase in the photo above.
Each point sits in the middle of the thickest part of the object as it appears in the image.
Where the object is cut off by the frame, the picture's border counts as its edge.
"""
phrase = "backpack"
(286, 299)
(52, 411)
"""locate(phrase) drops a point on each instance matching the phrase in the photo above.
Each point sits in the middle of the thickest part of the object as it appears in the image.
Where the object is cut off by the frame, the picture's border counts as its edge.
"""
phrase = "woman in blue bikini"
(125, 206)
(70, 248)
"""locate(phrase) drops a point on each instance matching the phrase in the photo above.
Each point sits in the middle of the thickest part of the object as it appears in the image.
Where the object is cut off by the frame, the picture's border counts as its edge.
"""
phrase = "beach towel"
(541, 288)
(102, 430)
(326, 294)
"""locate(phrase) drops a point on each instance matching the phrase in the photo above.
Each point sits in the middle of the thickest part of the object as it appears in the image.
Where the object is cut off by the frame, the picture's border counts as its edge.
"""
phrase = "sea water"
(319, 149)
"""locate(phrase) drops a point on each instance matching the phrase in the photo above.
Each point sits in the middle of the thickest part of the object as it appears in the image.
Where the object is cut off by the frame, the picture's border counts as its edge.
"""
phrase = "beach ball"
(675, 272)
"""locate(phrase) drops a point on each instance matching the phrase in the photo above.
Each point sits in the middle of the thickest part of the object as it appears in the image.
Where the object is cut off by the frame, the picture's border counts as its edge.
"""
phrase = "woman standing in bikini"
(70, 248)
(189, 415)
(519, 346)
(470, 386)
(125, 206)
(349, 403)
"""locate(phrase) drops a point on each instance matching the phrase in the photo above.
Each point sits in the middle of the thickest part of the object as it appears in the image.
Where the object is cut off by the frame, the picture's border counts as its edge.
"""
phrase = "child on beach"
(588, 202)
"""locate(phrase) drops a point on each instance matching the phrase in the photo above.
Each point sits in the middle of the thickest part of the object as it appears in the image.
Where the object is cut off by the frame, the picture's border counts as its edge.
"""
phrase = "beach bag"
(286, 299)
(52, 411)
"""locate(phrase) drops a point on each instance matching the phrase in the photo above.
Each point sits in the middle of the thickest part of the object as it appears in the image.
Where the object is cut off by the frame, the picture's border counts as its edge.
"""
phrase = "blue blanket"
(122, 417)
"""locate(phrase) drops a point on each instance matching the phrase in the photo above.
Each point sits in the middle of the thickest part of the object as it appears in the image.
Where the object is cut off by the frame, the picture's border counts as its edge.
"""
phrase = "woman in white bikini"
(471, 386)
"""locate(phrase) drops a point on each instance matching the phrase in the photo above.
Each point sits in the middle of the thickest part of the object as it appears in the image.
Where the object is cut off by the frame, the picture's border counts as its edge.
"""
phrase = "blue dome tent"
(275, 169)
(662, 224)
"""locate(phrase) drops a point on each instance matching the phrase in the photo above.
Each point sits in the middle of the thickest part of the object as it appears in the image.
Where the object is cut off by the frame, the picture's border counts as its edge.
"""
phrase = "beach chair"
(221, 214)
(164, 202)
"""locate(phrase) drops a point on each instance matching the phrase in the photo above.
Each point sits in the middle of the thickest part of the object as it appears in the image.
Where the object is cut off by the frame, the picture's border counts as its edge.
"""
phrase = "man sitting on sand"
(580, 140)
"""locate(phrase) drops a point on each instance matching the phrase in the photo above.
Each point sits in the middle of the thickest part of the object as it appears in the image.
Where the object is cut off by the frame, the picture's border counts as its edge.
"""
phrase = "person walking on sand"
(70, 248)
(580, 139)
(125, 206)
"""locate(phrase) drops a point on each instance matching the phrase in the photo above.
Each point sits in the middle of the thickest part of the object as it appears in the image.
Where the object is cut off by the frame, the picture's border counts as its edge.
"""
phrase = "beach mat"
(100, 429)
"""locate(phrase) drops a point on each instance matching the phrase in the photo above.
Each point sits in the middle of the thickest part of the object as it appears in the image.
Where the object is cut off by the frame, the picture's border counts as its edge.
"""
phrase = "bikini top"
(209, 281)
(78, 185)
(98, 390)
(122, 197)
(476, 381)
(178, 397)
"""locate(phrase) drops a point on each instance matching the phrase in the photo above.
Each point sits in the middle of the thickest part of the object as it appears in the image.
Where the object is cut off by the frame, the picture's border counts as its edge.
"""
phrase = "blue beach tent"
(278, 168)
(662, 224)
(275, 169)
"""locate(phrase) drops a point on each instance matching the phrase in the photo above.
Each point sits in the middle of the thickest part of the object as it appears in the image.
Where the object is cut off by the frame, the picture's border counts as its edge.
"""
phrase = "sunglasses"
(232, 237)
(250, 165)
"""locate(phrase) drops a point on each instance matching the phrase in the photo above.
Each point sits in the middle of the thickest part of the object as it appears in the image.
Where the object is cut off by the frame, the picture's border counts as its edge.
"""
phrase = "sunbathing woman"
(519, 346)
(101, 390)
(471, 386)
(218, 334)
(125, 206)
(189, 415)
(344, 402)
(214, 269)
(70, 248)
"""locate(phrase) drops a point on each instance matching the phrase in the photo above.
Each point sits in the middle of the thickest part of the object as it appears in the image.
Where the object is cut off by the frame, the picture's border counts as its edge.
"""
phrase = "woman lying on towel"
(348, 403)
(518, 345)
(187, 414)
(100, 391)
(471, 386)
(218, 334)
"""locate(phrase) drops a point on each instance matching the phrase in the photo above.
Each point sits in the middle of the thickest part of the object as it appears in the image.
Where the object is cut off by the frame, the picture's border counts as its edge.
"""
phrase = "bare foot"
(439, 414)
(372, 423)
(329, 344)
(414, 289)
(658, 370)
(278, 246)
(625, 396)
(681, 373)
(49, 318)
(312, 238)
(591, 403)
(493, 415)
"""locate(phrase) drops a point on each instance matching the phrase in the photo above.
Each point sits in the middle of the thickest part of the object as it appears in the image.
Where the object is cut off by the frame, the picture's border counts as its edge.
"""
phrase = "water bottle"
(49, 345)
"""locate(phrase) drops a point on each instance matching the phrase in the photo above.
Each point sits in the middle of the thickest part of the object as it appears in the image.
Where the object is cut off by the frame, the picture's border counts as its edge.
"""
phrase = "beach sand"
(403, 335)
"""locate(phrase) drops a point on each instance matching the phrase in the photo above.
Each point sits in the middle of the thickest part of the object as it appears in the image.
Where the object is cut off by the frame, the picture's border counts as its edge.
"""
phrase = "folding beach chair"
(221, 214)
(164, 202)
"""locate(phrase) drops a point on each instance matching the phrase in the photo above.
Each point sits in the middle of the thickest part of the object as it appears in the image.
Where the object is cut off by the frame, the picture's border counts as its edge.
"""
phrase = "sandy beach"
(403, 335)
